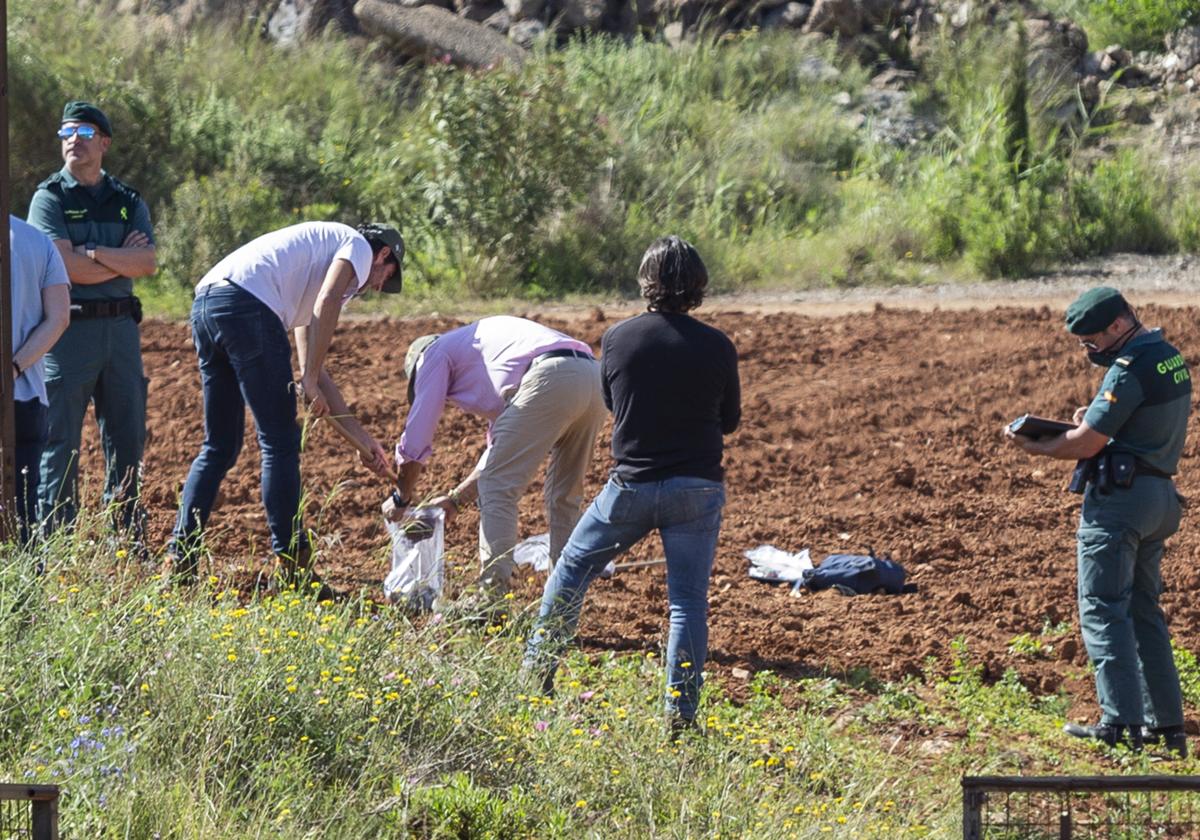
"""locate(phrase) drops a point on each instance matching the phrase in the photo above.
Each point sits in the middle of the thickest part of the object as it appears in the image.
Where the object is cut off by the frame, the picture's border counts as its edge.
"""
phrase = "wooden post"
(8, 469)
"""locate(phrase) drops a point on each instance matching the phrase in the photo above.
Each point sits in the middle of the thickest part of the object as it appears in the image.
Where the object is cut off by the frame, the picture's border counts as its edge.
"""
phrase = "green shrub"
(507, 151)
(1138, 24)
(1118, 207)
(456, 808)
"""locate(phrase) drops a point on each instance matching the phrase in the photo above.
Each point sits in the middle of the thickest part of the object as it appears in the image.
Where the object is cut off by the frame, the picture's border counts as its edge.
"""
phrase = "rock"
(432, 33)
(817, 71)
(480, 10)
(500, 21)
(1184, 46)
(673, 33)
(841, 17)
(524, 9)
(893, 78)
(1089, 90)
(1136, 113)
(788, 16)
(581, 14)
(315, 16)
(1119, 54)
(740, 674)
(842, 99)
(1056, 48)
(962, 15)
(876, 12)
(526, 33)
(1091, 63)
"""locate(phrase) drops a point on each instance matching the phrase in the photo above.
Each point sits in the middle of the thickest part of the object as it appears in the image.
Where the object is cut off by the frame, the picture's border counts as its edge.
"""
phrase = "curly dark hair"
(672, 276)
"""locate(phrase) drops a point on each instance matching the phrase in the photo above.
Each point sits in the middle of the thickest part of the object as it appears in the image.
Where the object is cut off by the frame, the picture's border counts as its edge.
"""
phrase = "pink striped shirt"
(477, 368)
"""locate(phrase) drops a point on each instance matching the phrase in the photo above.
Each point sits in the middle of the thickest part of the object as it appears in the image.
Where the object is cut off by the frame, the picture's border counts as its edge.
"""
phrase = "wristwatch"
(399, 502)
(90, 250)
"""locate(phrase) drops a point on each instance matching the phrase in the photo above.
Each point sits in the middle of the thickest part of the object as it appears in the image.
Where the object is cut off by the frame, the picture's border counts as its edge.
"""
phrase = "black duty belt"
(87, 309)
(565, 353)
(1143, 468)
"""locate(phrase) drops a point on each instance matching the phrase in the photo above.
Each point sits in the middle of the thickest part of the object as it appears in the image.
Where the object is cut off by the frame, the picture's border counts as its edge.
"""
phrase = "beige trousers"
(557, 411)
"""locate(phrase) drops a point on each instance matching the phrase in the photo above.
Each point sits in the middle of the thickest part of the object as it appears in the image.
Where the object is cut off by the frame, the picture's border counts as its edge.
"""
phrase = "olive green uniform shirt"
(1144, 401)
(63, 208)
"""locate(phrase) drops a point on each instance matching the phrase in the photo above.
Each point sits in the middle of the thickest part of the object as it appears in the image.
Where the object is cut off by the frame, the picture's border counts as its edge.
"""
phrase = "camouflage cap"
(1094, 310)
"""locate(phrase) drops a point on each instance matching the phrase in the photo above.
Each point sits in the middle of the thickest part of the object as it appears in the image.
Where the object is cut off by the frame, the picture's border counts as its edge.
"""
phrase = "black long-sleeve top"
(672, 385)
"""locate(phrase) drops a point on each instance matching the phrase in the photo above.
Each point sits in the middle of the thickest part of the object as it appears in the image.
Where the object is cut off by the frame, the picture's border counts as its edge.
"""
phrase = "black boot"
(1113, 734)
(1171, 738)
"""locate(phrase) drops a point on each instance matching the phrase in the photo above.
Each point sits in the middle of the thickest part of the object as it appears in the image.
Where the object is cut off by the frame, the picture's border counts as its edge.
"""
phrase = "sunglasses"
(87, 132)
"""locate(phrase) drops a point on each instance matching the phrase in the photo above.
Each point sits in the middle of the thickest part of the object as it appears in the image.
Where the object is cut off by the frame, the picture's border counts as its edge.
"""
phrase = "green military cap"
(1094, 310)
(86, 112)
(412, 357)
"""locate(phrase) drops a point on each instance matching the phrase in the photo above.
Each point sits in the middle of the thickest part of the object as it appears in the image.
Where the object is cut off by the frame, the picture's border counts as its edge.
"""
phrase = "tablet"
(1036, 427)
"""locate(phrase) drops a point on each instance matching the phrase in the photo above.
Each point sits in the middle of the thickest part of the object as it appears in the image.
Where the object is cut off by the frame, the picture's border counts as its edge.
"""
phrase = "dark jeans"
(32, 430)
(245, 359)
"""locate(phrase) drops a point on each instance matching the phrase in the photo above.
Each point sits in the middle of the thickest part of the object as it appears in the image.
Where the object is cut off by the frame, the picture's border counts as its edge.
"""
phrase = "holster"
(1085, 469)
(1108, 470)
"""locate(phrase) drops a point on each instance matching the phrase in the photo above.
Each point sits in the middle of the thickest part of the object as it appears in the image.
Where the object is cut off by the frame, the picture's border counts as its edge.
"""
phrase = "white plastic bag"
(771, 564)
(418, 559)
(535, 552)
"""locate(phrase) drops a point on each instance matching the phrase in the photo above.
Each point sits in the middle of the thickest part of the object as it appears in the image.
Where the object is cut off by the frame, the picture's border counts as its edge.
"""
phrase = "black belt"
(85, 309)
(564, 353)
(1143, 468)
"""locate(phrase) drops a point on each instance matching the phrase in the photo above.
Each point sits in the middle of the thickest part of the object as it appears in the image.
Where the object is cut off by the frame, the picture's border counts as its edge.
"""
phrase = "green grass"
(551, 181)
(1134, 24)
(185, 714)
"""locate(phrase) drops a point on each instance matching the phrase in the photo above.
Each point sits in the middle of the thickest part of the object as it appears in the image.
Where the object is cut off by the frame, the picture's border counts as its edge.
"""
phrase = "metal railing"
(28, 812)
(1080, 807)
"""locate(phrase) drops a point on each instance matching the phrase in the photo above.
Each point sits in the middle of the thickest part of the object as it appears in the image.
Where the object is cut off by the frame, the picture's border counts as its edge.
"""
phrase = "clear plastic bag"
(418, 562)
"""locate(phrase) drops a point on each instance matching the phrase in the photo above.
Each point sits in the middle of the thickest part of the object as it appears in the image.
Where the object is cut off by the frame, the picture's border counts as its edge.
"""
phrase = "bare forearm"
(340, 411)
(84, 272)
(1069, 446)
(36, 344)
(128, 262)
(410, 472)
(320, 331)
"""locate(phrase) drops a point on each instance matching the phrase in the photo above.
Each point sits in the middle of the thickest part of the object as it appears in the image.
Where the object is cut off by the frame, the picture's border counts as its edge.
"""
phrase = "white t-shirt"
(36, 264)
(284, 269)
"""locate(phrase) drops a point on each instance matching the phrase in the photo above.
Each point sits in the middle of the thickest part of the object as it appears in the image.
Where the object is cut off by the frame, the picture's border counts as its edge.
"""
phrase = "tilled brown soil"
(871, 430)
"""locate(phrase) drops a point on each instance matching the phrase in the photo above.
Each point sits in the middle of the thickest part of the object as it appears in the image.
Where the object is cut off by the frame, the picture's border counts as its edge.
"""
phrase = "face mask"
(1108, 357)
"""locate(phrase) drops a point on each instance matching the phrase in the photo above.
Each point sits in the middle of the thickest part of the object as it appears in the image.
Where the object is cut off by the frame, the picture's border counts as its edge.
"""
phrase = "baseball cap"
(413, 356)
(1094, 310)
(387, 235)
(80, 111)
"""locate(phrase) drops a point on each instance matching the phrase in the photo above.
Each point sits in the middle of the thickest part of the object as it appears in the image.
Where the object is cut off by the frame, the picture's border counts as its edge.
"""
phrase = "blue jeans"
(1120, 549)
(245, 359)
(687, 513)
(32, 428)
